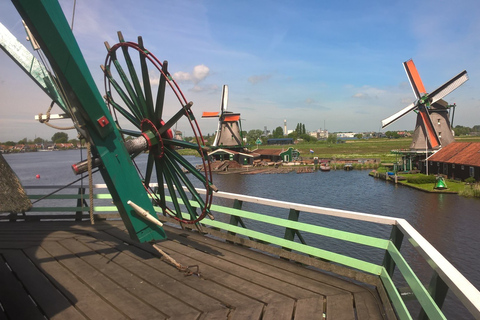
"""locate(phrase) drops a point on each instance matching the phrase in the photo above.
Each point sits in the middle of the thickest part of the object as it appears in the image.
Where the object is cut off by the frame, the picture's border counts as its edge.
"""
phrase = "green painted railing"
(232, 222)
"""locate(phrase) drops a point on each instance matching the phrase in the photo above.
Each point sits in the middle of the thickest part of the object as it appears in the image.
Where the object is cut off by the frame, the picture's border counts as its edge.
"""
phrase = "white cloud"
(199, 73)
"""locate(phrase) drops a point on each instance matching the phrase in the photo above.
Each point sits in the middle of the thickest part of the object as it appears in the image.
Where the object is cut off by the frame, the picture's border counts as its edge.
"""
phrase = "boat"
(324, 167)
(348, 167)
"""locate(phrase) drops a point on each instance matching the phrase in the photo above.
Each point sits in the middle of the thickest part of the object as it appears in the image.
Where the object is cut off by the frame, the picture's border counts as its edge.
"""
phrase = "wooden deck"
(76, 271)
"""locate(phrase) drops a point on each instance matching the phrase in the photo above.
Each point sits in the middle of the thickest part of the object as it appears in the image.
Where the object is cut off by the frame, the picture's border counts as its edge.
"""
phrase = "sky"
(334, 65)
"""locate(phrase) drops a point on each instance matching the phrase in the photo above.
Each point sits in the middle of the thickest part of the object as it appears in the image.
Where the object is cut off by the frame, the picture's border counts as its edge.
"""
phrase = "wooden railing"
(266, 229)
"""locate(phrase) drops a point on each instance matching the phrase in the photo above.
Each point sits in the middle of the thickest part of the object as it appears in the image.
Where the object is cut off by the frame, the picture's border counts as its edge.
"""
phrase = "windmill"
(229, 132)
(433, 125)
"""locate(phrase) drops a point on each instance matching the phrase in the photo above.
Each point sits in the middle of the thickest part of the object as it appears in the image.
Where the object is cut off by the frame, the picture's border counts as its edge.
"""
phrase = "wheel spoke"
(146, 80)
(177, 116)
(182, 144)
(136, 84)
(160, 95)
(160, 181)
(179, 190)
(122, 95)
(187, 165)
(133, 120)
(149, 169)
(172, 191)
(186, 182)
(131, 92)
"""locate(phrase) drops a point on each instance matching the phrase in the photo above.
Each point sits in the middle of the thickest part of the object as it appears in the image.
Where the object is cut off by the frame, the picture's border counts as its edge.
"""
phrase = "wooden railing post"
(234, 220)
(290, 233)
(397, 238)
(80, 204)
(438, 290)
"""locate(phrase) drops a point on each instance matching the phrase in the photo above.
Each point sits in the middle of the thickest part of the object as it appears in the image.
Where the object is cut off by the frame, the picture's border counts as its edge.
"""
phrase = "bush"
(470, 180)
(421, 179)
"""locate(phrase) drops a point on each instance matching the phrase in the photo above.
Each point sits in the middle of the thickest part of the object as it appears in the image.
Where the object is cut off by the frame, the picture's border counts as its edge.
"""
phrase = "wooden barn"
(275, 155)
(458, 160)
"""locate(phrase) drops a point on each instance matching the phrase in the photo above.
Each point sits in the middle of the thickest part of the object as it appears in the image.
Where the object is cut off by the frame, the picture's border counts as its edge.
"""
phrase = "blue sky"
(337, 64)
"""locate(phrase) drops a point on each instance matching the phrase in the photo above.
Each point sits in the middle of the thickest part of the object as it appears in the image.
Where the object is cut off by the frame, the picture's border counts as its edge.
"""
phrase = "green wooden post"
(51, 30)
(80, 204)
(438, 290)
(234, 220)
(396, 237)
(290, 233)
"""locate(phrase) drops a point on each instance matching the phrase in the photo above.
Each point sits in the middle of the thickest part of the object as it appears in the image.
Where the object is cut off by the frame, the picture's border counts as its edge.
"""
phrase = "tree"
(392, 134)
(38, 140)
(332, 138)
(253, 135)
(23, 141)
(461, 130)
(60, 137)
(359, 136)
(278, 132)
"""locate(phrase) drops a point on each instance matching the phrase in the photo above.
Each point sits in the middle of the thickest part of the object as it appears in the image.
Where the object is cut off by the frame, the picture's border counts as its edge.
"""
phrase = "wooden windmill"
(433, 128)
(229, 132)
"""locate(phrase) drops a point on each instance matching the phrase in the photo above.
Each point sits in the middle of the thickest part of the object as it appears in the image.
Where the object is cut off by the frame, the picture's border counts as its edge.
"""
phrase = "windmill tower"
(229, 132)
(433, 128)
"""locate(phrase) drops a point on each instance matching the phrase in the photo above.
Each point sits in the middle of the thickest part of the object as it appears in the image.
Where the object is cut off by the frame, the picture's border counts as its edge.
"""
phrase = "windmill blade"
(398, 115)
(234, 117)
(430, 131)
(414, 78)
(224, 105)
(207, 114)
(449, 86)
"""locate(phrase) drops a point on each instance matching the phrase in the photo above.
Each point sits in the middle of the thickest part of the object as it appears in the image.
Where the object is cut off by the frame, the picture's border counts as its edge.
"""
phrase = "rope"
(48, 119)
(90, 180)
(177, 265)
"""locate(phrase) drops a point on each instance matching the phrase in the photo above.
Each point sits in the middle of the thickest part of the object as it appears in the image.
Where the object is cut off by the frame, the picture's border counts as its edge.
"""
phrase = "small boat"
(324, 167)
(348, 167)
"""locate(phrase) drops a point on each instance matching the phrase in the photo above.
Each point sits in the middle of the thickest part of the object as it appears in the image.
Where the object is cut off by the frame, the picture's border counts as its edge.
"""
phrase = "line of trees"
(58, 137)
(463, 131)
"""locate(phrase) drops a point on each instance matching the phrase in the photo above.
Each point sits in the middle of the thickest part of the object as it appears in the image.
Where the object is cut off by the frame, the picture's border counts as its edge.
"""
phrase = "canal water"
(449, 222)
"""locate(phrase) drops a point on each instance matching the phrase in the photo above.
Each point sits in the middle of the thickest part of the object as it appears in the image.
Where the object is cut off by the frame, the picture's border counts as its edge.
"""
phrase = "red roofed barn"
(458, 160)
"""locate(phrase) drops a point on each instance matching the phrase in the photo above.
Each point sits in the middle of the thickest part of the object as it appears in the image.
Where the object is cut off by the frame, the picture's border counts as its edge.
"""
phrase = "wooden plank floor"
(67, 270)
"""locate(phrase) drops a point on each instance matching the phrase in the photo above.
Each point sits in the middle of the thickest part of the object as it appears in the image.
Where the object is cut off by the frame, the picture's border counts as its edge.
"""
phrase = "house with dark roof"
(458, 160)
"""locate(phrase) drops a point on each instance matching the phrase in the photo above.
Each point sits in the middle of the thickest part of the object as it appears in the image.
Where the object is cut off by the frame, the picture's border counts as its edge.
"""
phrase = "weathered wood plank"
(13, 297)
(213, 274)
(86, 300)
(309, 309)
(52, 302)
(226, 297)
(367, 306)
(97, 281)
(340, 307)
(279, 310)
(252, 312)
(283, 270)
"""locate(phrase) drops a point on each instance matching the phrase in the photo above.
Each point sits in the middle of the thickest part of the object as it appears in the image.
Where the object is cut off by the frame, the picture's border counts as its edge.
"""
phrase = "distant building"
(319, 134)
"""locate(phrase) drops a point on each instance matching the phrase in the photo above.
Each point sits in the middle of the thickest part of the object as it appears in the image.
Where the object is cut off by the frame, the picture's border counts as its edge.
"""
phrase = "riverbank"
(414, 180)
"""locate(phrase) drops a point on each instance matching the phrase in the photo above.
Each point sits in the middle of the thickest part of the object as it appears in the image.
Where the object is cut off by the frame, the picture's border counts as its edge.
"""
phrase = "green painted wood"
(422, 295)
(51, 29)
(394, 295)
(30, 65)
(320, 253)
(337, 234)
